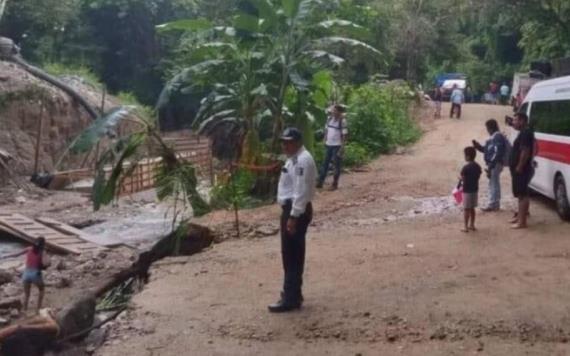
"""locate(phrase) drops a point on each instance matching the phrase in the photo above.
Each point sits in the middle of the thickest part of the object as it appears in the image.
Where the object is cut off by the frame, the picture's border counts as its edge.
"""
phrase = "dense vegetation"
(240, 70)
(117, 38)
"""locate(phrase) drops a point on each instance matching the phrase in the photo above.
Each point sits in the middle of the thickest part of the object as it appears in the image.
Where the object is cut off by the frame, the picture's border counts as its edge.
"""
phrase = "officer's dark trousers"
(293, 253)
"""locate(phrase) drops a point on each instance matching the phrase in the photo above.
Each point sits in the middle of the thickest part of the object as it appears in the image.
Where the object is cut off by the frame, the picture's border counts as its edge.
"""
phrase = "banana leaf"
(346, 26)
(180, 183)
(185, 25)
(105, 190)
(2, 7)
(103, 126)
(347, 42)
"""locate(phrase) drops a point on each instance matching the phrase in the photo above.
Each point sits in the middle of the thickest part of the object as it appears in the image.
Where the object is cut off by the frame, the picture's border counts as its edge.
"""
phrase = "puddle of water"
(8, 246)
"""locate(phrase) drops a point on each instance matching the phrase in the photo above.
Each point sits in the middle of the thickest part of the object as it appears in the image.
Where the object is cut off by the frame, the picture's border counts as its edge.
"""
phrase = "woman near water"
(36, 261)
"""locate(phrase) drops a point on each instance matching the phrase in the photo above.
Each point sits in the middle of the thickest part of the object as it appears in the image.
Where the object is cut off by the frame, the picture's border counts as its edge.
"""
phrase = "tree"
(285, 44)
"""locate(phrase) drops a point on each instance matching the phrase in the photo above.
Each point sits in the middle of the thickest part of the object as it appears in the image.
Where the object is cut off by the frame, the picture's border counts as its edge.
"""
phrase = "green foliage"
(105, 188)
(355, 155)
(29, 93)
(236, 191)
(117, 298)
(378, 117)
(104, 126)
(83, 72)
(268, 65)
(2, 7)
(130, 99)
(177, 180)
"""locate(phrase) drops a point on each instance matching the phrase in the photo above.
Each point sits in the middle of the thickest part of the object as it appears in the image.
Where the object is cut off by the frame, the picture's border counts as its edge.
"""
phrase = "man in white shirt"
(457, 99)
(336, 132)
(295, 192)
(505, 91)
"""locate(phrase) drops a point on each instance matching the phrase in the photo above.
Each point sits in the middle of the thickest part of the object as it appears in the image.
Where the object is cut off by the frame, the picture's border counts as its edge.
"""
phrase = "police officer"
(295, 193)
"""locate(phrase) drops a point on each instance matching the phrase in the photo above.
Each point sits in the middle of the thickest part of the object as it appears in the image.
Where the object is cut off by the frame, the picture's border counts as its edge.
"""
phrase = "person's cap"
(291, 134)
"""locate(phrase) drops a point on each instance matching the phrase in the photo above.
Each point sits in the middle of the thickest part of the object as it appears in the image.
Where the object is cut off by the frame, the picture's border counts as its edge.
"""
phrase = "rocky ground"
(388, 272)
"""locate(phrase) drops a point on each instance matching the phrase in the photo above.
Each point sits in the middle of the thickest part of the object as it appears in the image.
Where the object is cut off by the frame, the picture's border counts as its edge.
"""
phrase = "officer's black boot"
(285, 304)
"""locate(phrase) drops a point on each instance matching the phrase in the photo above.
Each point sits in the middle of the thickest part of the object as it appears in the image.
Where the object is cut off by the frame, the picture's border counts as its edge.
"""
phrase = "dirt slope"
(20, 111)
(388, 273)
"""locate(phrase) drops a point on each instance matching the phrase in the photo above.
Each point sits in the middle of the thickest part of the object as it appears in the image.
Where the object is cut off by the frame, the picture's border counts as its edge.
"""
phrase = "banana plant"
(2, 7)
(286, 43)
(176, 178)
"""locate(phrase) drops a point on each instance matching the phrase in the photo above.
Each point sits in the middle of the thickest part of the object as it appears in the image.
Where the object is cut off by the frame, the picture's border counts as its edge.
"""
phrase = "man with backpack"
(496, 153)
(336, 132)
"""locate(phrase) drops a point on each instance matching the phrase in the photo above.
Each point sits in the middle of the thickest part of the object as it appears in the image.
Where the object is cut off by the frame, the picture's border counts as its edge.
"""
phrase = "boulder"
(5, 277)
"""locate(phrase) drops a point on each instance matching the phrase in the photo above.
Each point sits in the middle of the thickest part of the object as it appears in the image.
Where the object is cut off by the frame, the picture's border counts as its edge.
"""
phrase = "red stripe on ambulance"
(555, 151)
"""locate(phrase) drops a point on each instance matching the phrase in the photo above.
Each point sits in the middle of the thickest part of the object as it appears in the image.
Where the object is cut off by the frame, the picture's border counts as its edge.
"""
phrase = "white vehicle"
(548, 108)
(448, 85)
(522, 83)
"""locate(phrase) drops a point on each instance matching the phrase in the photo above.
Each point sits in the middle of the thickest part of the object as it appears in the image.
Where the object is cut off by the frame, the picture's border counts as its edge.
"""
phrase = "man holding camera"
(336, 132)
(494, 151)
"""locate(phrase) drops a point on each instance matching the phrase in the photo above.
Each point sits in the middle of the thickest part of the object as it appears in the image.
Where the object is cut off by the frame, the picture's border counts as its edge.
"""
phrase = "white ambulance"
(548, 108)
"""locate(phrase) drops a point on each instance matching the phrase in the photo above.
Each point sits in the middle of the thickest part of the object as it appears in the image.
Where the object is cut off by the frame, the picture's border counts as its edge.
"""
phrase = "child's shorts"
(470, 200)
(32, 276)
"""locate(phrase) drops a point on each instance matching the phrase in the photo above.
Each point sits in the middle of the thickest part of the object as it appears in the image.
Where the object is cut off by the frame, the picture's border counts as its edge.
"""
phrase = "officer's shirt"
(297, 182)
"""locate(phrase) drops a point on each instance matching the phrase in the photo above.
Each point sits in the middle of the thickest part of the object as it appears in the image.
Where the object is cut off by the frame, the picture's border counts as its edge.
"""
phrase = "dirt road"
(388, 273)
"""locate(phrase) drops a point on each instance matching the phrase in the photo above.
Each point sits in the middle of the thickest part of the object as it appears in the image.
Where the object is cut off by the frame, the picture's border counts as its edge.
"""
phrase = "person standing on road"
(494, 153)
(521, 167)
(494, 91)
(295, 192)
(505, 91)
(36, 261)
(437, 98)
(470, 175)
(336, 133)
(457, 99)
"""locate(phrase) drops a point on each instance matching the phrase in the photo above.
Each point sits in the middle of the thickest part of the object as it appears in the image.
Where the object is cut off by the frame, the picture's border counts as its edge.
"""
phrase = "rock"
(4, 322)
(63, 282)
(439, 334)
(267, 230)
(11, 303)
(76, 316)
(20, 200)
(61, 265)
(12, 291)
(87, 267)
(480, 346)
(14, 313)
(96, 338)
(5, 277)
(391, 335)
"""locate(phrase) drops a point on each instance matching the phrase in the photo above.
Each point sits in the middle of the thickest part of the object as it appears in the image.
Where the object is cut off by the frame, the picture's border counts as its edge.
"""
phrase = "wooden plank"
(82, 235)
(32, 236)
(61, 227)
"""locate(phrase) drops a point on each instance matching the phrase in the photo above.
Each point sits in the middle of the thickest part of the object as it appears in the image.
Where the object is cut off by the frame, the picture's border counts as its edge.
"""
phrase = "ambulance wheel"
(561, 194)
